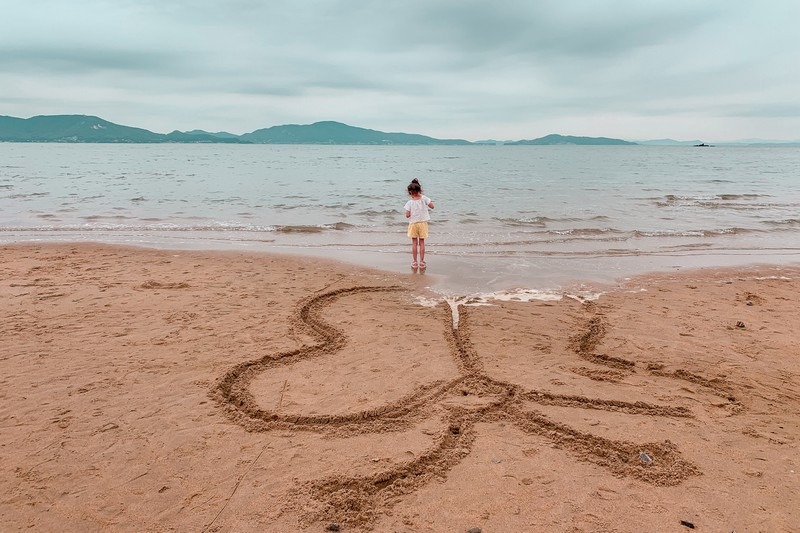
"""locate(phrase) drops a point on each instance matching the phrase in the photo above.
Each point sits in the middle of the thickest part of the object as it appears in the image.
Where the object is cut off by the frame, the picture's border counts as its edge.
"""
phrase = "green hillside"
(555, 139)
(330, 132)
(90, 129)
(72, 128)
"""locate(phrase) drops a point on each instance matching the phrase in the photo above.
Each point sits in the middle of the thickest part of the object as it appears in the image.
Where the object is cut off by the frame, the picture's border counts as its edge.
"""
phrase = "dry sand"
(153, 390)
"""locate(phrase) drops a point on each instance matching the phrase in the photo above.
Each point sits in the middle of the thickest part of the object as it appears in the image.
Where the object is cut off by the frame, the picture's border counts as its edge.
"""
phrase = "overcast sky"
(638, 69)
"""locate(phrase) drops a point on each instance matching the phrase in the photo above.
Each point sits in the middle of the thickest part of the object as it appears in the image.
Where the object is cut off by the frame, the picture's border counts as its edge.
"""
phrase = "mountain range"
(91, 129)
(553, 139)
(88, 129)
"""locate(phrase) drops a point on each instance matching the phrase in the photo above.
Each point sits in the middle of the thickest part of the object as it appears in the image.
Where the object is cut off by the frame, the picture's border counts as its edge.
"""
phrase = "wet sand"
(161, 390)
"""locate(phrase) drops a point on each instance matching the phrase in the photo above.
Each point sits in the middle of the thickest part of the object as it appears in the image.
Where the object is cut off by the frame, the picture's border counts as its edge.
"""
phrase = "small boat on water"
(703, 145)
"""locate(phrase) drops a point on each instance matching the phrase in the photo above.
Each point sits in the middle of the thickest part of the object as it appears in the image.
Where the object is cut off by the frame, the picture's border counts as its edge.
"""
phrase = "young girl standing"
(417, 214)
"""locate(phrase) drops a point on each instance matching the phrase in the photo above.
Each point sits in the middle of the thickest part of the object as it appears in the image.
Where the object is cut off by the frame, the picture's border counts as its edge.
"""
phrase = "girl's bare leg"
(414, 243)
(422, 251)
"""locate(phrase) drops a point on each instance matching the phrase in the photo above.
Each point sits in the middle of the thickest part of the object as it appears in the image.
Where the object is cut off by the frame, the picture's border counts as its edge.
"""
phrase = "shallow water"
(506, 216)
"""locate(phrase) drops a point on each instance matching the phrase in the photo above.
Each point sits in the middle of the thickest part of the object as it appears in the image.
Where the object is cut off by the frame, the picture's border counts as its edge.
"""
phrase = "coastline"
(549, 217)
(453, 275)
(146, 389)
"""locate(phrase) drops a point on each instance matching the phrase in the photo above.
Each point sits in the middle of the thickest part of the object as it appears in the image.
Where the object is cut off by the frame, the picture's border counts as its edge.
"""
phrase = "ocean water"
(539, 217)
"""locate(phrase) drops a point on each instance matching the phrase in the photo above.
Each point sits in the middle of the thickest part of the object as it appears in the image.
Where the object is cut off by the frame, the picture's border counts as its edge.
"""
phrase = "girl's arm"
(430, 205)
(408, 213)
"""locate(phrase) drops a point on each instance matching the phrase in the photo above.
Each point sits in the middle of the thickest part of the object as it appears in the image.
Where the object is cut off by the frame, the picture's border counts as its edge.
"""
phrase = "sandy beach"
(147, 390)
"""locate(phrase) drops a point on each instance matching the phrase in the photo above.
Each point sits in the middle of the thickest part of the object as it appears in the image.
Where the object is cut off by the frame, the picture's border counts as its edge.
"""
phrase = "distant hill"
(219, 134)
(71, 128)
(87, 129)
(740, 142)
(555, 139)
(181, 137)
(330, 132)
(491, 142)
(781, 144)
(668, 142)
(91, 129)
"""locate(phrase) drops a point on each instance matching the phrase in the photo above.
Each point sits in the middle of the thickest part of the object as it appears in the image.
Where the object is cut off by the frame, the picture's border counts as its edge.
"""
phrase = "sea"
(537, 218)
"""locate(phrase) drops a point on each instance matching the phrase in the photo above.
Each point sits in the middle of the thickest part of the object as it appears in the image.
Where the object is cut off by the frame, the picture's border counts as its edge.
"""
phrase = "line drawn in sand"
(357, 501)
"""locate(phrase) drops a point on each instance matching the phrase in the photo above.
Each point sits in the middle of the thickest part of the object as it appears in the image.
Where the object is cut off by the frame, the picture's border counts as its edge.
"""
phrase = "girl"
(418, 217)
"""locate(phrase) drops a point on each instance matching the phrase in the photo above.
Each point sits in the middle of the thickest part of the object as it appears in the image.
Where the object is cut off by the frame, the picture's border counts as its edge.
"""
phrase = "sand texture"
(158, 390)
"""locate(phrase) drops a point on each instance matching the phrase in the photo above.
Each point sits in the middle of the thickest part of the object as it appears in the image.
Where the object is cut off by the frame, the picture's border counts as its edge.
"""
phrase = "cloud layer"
(516, 69)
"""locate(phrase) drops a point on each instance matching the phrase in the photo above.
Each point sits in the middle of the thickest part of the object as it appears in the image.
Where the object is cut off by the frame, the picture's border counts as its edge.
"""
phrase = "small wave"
(545, 239)
(339, 226)
(539, 222)
(105, 217)
(584, 231)
(691, 246)
(790, 222)
(732, 202)
(299, 229)
(671, 199)
(542, 221)
(338, 206)
(23, 196)
(377, 212)
(165, 227)
(486, 299)
(737, 206)
(740, 196)
(368, 197)
(517, 295)
(576, 219)
(694, 233)
(235, 200)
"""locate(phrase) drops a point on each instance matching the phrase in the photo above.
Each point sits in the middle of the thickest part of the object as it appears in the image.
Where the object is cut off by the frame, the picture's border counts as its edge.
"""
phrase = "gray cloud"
(71, 61)
(447, 68)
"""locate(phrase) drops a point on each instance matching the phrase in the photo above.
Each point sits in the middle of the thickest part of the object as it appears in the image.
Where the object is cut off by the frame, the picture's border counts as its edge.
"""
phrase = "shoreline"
(454, 276)
(149, 389)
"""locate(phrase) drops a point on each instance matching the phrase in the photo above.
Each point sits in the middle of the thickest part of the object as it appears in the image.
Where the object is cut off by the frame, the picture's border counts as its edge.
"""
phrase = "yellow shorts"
(418, 230)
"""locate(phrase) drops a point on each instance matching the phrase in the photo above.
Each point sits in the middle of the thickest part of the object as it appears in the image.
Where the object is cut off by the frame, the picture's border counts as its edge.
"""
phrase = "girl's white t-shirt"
(418, 209)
